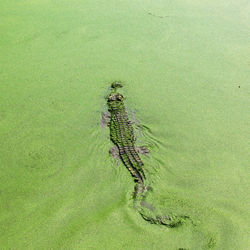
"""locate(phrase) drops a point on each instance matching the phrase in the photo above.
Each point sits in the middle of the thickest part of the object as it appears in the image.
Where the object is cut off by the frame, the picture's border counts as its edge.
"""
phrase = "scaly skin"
(122, 135)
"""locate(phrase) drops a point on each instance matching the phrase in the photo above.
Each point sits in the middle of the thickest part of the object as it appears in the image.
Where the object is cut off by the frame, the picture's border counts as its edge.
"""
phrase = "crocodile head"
(115, 97)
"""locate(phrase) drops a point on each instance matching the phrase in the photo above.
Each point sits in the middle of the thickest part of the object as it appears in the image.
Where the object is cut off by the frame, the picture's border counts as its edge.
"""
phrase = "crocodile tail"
(147, 212)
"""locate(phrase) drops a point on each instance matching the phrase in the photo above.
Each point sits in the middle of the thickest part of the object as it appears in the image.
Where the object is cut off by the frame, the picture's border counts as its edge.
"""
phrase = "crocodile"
(123, 137)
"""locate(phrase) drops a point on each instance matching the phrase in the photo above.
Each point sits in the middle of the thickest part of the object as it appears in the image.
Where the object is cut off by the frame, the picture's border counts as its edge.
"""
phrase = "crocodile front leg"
(105, 119)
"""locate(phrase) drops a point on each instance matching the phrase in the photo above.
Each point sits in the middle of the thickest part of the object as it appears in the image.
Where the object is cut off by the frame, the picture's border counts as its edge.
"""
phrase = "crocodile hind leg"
(142, 150)
(114, 152)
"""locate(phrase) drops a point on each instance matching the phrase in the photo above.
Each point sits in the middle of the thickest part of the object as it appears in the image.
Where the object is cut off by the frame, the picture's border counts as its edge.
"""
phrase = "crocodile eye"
(119, 97)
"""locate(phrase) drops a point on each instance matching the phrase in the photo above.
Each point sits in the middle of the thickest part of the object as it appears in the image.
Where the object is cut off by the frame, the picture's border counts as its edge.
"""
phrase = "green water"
(185, 68)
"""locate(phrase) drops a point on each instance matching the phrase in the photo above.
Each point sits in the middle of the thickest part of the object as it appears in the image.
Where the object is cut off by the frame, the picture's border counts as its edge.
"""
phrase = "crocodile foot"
(105, 119)
(142, 150)
(114, 152)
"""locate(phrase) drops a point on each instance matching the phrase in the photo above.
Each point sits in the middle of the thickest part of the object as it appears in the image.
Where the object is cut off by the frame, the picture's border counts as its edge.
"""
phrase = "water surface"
(185, 69)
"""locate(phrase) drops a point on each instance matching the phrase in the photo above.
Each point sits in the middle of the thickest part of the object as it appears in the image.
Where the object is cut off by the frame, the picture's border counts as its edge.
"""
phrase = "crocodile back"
(122, 135)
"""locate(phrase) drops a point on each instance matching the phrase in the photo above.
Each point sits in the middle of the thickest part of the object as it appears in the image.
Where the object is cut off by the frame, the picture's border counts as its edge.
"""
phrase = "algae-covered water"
(185, 69)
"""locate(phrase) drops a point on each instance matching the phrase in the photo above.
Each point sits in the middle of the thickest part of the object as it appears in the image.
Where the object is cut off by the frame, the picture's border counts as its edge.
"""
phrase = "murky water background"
(185, 67)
